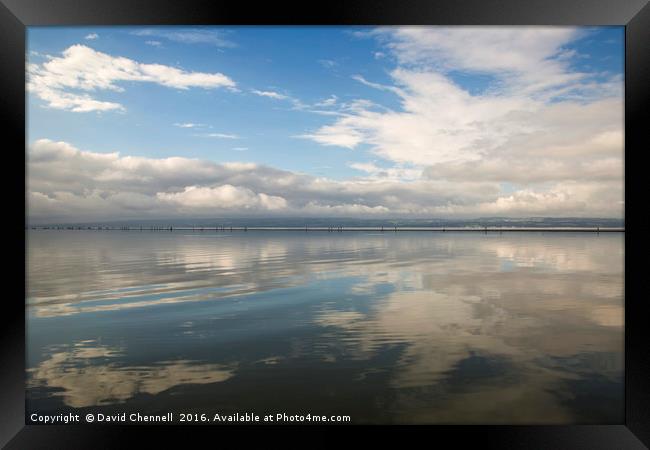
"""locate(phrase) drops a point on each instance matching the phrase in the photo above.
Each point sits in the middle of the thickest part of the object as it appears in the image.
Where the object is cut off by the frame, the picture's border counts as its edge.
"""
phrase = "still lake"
(407, 327)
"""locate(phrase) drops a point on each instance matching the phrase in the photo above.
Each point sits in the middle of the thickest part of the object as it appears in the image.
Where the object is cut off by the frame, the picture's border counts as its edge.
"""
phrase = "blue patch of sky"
(474, 83)
(599, 50)
(508, 188)
(599, 54)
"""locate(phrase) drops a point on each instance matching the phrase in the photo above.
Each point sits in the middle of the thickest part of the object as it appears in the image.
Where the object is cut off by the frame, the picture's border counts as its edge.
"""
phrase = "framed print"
(380, 215)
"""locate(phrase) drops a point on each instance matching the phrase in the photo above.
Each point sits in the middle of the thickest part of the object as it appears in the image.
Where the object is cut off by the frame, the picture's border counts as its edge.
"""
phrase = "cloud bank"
(69, 184)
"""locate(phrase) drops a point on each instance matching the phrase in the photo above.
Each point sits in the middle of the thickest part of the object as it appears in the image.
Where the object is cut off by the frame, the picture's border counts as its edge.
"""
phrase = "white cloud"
(527, 57)
(379, 86)
(222, 197)
(73, 102)
(91, 36)
(297, 104)
(328, 102)
(341, 135)
(548, 130)
(153, 43)
(189, 125)
(218, 135)
(81, 68)
(270, 94)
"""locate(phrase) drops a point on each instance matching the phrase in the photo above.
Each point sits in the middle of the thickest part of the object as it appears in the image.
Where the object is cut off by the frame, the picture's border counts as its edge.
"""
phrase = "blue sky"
(310, 64)
(388, 108)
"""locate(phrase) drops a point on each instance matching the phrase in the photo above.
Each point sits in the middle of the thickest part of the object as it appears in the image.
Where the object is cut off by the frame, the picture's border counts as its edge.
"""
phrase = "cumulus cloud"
(91, 36)
(222, 197)
(69, 184)
(64, 82)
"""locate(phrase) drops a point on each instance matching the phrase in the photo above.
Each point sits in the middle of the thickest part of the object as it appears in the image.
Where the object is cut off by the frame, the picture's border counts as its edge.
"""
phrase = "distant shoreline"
(335, 229)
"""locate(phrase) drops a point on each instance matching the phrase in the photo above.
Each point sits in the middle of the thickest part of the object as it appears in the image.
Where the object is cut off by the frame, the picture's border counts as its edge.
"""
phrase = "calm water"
(409, 327)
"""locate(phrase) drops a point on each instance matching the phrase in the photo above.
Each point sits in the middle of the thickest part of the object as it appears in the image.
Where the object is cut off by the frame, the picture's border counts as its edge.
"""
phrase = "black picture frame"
(16, 15)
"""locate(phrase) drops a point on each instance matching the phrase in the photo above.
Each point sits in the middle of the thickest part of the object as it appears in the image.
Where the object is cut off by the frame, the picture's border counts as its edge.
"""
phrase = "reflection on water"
(388, 328)
(84, 375)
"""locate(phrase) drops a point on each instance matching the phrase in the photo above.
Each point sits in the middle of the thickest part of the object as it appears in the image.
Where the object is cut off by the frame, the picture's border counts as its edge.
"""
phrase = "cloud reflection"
(530, 321)
(67, 275)
(89, 374)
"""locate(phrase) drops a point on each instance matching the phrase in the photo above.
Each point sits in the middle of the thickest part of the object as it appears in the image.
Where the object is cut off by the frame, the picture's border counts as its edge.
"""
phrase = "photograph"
(277, 223)
(344, 224)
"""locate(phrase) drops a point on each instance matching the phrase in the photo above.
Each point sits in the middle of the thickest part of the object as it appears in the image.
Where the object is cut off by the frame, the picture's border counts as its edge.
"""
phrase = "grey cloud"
(65, 183)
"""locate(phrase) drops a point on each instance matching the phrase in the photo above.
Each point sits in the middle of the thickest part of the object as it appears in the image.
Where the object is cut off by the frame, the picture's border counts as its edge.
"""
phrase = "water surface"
(407, 327)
